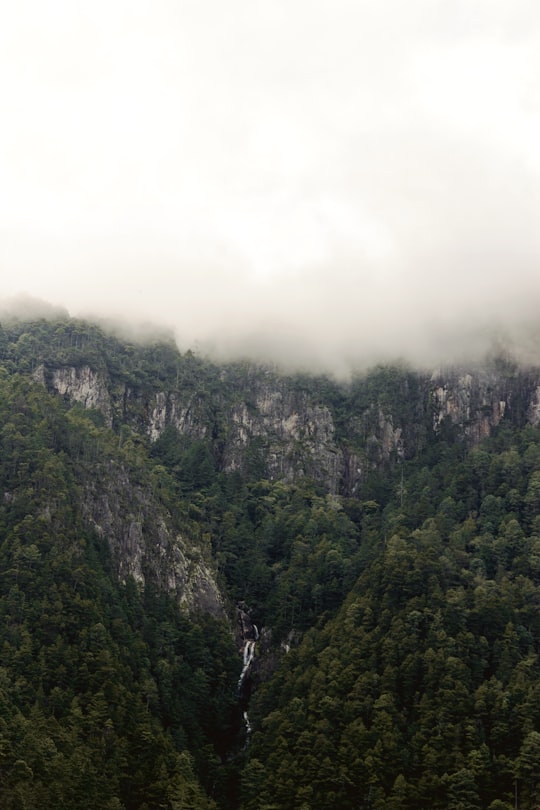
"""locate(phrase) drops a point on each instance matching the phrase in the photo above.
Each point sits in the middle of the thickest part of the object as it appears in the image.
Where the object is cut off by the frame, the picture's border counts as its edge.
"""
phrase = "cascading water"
(248, 654)
(248, 727)
(249, 634)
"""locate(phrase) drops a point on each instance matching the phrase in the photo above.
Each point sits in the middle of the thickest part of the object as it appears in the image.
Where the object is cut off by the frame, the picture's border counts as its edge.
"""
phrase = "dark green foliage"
(109, 696)
(189, 461)
(291, 552)
(412, 611)
(423, 691)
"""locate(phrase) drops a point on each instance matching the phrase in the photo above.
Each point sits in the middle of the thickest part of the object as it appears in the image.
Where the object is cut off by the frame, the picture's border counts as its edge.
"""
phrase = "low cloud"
(322, 185)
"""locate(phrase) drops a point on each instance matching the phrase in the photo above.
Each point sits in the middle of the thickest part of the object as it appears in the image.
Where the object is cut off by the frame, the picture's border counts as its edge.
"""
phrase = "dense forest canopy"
(397, 664)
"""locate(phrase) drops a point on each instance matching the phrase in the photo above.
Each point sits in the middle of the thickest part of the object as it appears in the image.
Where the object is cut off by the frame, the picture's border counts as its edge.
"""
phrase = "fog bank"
(324, 185)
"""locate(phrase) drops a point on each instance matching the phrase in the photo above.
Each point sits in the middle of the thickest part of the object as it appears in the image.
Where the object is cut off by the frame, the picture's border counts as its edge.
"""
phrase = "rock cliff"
(259, 424)
(143, 542)
(78, 384)
(270, 425)
(143, 539)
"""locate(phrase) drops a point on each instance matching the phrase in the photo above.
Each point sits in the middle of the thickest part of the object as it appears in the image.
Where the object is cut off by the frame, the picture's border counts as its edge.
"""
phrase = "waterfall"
(248, 654)
(248, 727)
(249, 634)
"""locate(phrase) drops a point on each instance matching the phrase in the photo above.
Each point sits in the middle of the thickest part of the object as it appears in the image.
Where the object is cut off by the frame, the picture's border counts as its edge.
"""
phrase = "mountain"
(369, 547)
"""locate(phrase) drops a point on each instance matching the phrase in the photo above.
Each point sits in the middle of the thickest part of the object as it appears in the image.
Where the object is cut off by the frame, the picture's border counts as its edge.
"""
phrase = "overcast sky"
(328, 181)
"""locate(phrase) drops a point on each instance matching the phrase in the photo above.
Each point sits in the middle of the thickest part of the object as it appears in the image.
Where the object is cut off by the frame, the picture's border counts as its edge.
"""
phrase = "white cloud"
(326, 180)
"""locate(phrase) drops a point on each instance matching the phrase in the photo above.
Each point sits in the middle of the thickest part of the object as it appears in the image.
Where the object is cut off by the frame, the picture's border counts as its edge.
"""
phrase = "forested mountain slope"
(109, 693)
(384, 532)
(424, 690)
(264, 424)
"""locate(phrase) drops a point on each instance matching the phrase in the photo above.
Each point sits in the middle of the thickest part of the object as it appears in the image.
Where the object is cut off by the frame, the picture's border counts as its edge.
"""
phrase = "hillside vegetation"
(397, 590)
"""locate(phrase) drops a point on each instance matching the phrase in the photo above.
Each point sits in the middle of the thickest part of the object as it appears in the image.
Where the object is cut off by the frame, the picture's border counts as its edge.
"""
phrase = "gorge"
(358, 561)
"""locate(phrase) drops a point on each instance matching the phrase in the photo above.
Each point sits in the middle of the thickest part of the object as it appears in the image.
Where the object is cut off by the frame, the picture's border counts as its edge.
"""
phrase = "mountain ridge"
(383, 535)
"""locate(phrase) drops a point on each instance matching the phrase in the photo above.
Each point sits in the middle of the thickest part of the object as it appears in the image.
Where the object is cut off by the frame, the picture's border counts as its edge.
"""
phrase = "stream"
(249, 635)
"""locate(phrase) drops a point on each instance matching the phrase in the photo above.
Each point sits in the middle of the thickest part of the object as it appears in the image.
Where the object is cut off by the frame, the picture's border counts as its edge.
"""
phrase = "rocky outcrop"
(79, 384)
(475, 402)
(285, 433)
(188, 417)
(264, 425)
(533, 411)
(143, 542)
(267, 426)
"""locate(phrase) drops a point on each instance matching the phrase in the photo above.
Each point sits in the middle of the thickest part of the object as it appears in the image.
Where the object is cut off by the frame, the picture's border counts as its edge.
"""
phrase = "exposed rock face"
(79, 384)
(533, 411)
(269, 427)
(280, 432)
(246, 629)
(188, 417)
(383, 439)
(286, 433)
(142, 542)
(477, 402)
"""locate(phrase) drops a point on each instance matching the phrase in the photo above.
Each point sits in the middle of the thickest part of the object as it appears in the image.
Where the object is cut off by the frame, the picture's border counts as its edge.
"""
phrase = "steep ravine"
(262, 425)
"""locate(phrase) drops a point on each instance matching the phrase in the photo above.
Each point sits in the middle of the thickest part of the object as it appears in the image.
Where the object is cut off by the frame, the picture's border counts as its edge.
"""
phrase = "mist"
(323, 186)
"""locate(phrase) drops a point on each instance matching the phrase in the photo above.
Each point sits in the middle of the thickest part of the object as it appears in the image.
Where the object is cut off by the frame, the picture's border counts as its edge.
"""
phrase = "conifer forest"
(226, 588)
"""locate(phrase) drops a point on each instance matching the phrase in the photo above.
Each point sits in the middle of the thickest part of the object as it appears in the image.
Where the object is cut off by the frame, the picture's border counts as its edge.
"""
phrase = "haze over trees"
(400, 623)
